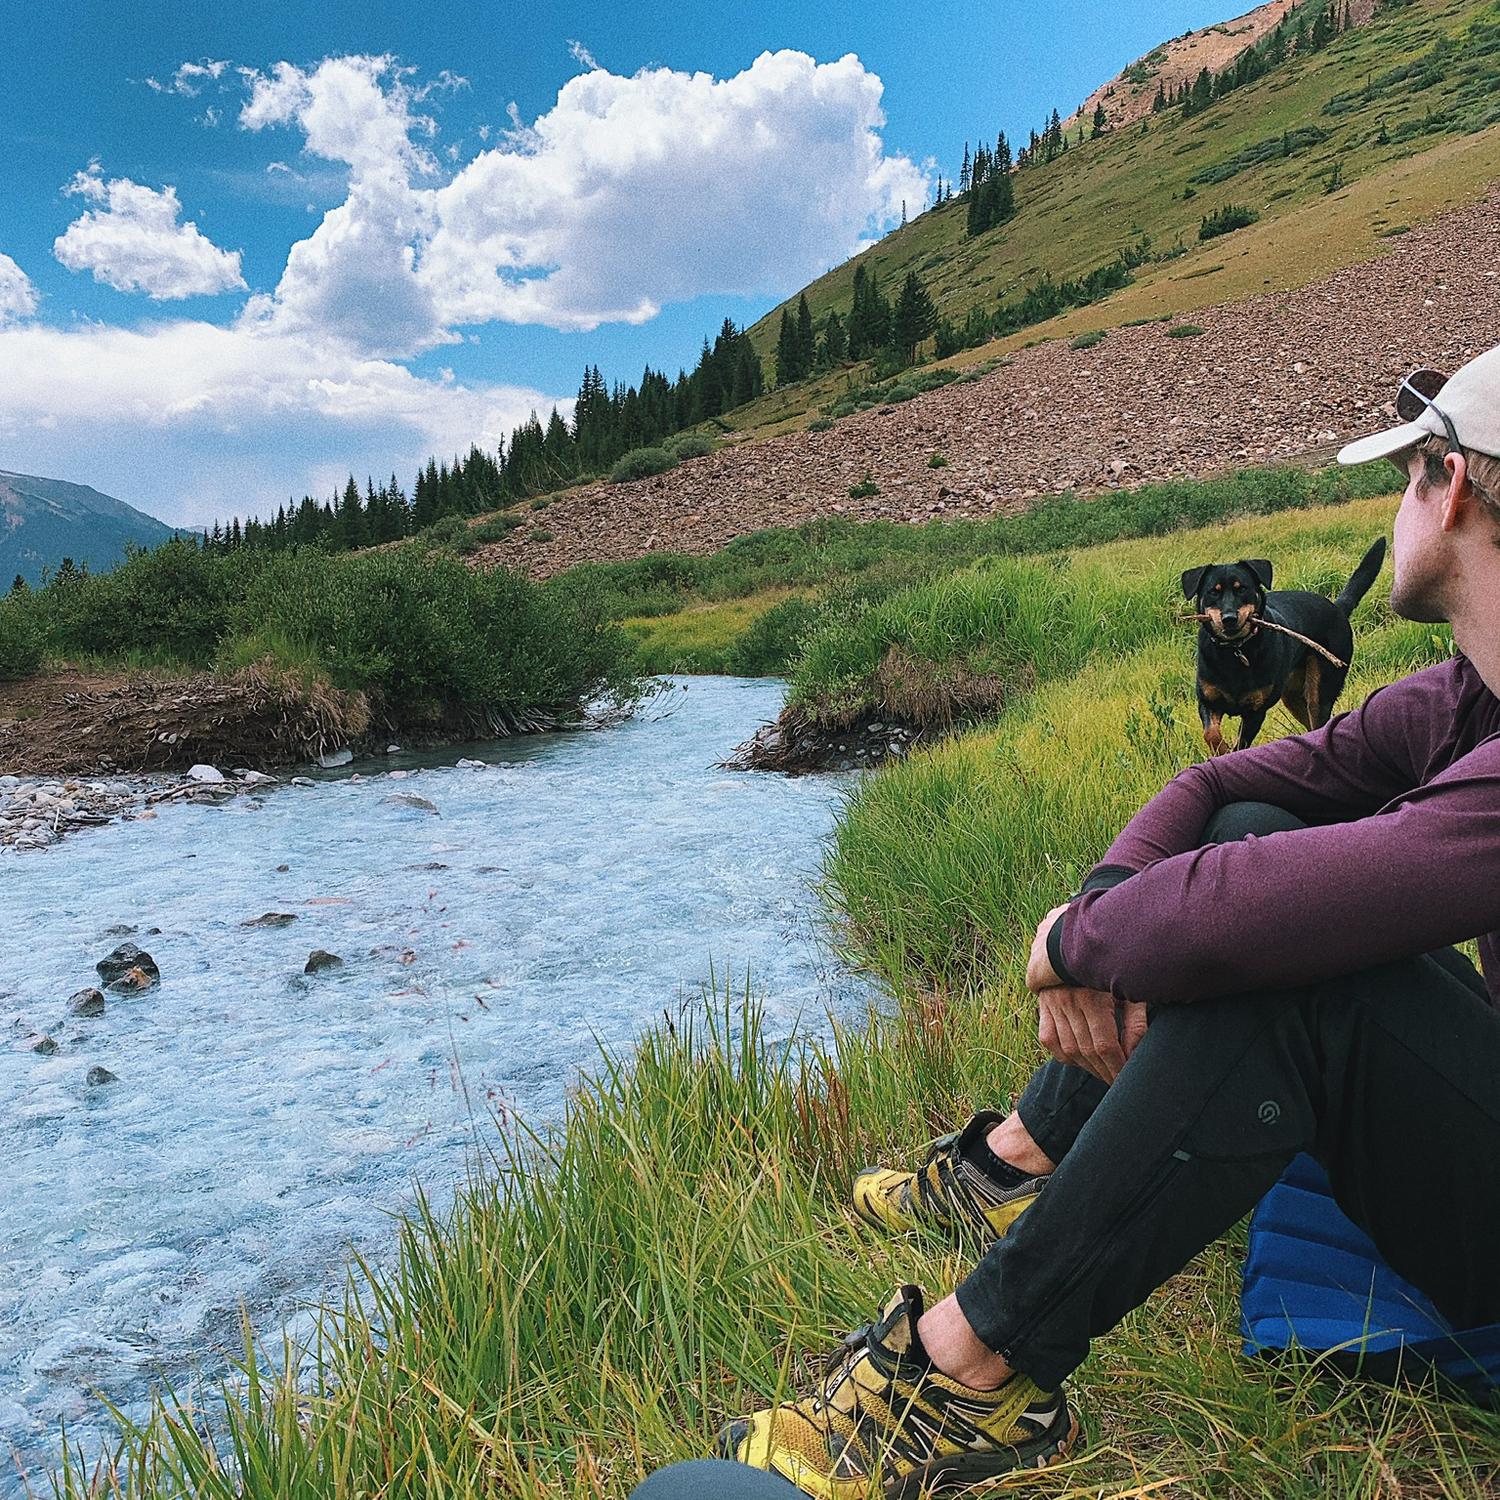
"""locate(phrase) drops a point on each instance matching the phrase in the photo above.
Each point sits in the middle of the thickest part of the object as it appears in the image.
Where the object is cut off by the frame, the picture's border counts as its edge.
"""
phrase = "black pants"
(1390, 1077)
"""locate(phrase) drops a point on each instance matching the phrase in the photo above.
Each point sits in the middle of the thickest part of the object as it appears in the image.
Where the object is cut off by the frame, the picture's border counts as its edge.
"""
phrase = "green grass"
(983, 845)
(722, 637)
(959, 646)
(596, 1304)
(867, 560)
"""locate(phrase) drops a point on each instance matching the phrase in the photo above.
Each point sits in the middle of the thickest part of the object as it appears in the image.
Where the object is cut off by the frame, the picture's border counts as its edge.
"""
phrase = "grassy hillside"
(596, 1305)
(1407, 106)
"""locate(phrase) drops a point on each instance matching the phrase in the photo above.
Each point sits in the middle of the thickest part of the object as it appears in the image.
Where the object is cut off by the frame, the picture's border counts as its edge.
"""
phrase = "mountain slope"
(43, 521)
(1278, 377)
(1378, 96)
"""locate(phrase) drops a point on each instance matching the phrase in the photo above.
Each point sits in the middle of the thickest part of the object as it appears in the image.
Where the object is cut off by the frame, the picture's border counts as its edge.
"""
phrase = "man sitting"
(1259, 966)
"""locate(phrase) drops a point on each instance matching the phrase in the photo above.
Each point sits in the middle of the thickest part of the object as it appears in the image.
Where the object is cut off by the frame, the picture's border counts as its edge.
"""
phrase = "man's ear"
(1192, 578)
(1459, 489)
(1260, 567)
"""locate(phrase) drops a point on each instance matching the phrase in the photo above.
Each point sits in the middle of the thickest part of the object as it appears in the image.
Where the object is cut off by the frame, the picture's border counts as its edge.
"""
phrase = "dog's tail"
(1364, 575)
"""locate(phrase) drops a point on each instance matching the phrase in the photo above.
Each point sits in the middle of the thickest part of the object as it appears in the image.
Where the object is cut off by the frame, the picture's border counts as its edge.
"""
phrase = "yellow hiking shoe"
(885, 1422)
(947, 1190)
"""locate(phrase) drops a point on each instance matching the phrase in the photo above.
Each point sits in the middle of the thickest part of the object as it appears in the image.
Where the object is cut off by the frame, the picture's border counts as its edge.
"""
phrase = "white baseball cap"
(1469, 399)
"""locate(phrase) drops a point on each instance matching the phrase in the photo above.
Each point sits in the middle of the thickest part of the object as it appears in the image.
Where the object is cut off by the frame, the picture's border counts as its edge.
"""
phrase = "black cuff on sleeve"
(1054, 950)
(1102, 877)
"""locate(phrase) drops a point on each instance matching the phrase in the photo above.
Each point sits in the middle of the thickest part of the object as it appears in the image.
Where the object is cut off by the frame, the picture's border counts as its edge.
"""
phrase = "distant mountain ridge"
(43, 521)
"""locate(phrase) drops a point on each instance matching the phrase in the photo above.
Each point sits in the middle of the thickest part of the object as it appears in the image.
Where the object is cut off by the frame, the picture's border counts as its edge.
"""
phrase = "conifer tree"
(807, 339)
(351, 519)
(747, 377)
(1201, 95)
(912, 319)
(788, 355)
(835, 346)
(1003, 160)
(1101, 121)
(964, 171)
(18, 585)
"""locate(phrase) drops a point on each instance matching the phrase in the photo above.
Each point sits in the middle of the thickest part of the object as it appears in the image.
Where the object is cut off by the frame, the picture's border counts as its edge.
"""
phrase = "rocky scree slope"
(1275, 378)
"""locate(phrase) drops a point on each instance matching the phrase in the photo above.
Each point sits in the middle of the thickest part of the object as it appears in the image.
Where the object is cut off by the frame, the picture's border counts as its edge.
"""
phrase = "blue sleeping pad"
(1314, 1279)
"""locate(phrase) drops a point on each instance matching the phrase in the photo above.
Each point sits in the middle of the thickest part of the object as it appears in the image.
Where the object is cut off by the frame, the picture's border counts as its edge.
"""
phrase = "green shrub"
(773, 641)
(427, 637)
(642, 463)
(538, 534)
(541, 502)
(1185, 331)
(20, 640)
(497, 528)
(864, 489)
(1227, 219)
(171, 603)
(1089, 339)
(820, 424)
(690, 445)
(937, 461)
(451, 531)
(433, 639)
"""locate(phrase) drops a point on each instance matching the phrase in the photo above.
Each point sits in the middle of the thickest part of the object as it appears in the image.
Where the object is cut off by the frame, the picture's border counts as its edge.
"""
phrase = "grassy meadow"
(770, 599)
(597, 1302)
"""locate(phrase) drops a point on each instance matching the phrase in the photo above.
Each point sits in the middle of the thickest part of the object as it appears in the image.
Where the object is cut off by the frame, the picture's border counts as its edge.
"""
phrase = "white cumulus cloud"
(17, 295)
(190, 79)
(131, 240)
(633, 192)
(354, 278)
(627, 194)
(199, 421)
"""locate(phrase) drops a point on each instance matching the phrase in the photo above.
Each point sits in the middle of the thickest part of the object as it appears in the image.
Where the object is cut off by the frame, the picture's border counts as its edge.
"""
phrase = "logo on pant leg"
(1269, 1112)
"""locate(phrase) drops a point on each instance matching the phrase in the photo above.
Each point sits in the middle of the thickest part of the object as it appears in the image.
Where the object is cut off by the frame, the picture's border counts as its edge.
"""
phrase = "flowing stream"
(263, 1121)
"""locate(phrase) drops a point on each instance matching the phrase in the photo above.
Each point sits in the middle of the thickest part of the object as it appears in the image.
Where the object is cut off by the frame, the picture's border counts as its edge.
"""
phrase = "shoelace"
(839, 1368)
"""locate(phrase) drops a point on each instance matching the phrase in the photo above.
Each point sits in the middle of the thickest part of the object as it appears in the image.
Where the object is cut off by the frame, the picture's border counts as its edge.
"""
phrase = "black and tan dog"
(1244, 668)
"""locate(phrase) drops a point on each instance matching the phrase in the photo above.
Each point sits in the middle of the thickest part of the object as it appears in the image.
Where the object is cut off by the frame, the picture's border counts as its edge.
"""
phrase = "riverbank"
(270, 659)
(931, 660)
(601, 1297)
(499, 911)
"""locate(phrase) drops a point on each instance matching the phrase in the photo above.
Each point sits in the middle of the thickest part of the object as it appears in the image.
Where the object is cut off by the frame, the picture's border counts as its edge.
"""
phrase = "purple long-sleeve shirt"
(1403, 856)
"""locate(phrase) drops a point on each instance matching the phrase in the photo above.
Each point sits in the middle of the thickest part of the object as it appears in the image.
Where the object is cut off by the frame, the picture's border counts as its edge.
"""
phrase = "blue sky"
(345, 235)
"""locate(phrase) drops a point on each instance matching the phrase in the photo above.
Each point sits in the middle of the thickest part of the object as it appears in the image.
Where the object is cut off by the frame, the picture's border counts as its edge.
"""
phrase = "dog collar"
(1238, 646)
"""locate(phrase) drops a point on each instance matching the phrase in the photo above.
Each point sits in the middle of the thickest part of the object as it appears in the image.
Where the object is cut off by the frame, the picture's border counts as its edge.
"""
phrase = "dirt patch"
(72, 722)
(796, 743)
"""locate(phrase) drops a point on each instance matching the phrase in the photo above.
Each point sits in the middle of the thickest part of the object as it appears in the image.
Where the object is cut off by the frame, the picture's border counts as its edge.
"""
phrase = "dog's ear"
(1260, 567)
(1192, 578)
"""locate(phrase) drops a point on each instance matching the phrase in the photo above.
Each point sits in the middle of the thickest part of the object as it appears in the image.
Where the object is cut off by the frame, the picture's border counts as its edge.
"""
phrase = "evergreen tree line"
(1043, 300)
(873, 328)
(1296, 39)
(607, 423)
